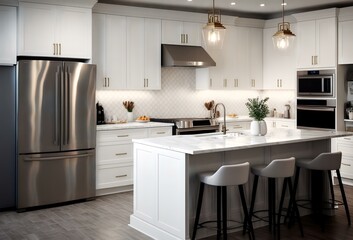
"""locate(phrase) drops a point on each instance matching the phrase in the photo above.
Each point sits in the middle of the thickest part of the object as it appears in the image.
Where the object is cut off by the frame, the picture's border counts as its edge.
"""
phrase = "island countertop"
(209, 143)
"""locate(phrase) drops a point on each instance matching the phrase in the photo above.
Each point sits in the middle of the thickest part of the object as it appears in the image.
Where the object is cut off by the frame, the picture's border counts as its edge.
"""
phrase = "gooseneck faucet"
(224, 127)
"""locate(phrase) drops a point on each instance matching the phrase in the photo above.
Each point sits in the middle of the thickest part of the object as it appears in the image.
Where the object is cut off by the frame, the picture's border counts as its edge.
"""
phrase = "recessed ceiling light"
(262, 5)
(189, 0)
(232, 3)
(284, 4)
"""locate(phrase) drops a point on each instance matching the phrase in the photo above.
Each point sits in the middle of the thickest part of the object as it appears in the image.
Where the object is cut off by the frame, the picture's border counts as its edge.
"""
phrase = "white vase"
(130, 116)
(255, 128)
(258, 128)
(263, 128)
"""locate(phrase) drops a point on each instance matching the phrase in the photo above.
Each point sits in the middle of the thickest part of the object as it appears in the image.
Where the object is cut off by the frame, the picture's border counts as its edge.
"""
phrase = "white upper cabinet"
(143, 53)
(238, 63)
(8, 35)
(317, 44)
(109, 51)
(177, 32)
(54, 31)
(345, 36)
(279, 67)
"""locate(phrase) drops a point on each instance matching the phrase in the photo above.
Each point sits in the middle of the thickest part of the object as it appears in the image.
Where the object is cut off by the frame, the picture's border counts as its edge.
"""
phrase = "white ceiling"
(242, 8)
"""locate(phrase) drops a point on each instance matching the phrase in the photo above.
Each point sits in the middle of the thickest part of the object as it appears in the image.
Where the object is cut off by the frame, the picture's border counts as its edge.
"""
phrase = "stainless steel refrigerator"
(56, 132)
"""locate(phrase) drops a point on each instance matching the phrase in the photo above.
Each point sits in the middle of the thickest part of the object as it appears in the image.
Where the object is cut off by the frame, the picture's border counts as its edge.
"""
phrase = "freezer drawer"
(56, 177)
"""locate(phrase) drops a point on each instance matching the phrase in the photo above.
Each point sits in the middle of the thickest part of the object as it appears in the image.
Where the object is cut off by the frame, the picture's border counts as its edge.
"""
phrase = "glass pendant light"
(284, 37)
(214, 32)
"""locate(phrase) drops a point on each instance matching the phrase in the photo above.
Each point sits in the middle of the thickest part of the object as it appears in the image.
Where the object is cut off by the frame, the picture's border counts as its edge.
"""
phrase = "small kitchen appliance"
(286, 113)
(100, 114)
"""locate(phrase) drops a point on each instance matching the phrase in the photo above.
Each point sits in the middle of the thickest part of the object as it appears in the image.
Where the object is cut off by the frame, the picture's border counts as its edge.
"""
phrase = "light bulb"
(283, 43)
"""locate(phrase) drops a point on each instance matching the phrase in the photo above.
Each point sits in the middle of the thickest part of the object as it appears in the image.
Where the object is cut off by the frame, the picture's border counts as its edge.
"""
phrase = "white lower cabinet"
(345, 145)
(115, 156)
(236, 126)
(280, 123)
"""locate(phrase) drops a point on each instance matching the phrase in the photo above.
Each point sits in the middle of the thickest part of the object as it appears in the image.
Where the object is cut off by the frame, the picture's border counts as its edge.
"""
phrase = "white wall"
(178, 98)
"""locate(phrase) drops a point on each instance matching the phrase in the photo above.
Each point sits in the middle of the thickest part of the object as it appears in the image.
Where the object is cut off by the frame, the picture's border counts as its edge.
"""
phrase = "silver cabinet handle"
(160, 132)
(182, 38)
(345, 164)
(108, 82)
(123, 135)
(59, 48)
(280, 83)
(346, 138)
(120, 176)
(187, 38)
(237, 127)
(284, 125)
(54, 48)
(224, 82)
(210, 82)
(120, 154)
(315, 60)
(146, 82)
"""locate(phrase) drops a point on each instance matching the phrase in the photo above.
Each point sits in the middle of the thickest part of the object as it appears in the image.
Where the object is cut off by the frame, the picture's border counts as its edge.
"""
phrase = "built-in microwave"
(316, 85)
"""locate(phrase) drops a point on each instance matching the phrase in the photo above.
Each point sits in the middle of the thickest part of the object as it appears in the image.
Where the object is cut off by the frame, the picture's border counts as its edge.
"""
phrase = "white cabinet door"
(255, 55)
(152, 76)
(8, 27)
(109, 51)
(317, 43)
(177, 32)
(345, 40)
(36, 24)
(279, 67)
(135, 52)
(241, 57)
(54, 31)
(143, 53)
(74, 32)
(193, 33)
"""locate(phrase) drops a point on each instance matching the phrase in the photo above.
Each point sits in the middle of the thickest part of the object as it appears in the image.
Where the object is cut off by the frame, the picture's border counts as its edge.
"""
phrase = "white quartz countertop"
(208, 143)
(129, 125)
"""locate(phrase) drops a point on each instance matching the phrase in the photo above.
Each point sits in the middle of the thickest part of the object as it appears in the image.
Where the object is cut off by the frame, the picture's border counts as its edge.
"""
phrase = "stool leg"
(331, 189)
(343, 196)
(296, 180)
(281, 206)
(246, 215)
(272, 204)
(295, 206)
(224, 212)
(198, 210)
(253, 196)
(219, 212)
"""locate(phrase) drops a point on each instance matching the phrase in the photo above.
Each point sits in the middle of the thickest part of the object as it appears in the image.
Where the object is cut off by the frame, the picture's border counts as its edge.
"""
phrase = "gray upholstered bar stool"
(325, 162)
(228, 175)
(278, 168)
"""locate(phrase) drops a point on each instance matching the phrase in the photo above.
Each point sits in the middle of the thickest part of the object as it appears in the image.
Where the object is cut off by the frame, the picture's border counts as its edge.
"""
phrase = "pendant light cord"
(283, 14)
(213, 9)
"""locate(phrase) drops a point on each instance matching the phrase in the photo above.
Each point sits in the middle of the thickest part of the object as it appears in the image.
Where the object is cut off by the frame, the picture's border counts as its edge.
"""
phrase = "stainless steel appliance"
(7, 137)
(316, 83)
(187, 126)
(316, 114)
(56, 132)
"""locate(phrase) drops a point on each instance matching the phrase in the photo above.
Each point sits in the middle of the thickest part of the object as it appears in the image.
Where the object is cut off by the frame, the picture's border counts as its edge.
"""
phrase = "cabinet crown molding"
(9, 2)
(345, 14)
(70, 3)
(314, 15)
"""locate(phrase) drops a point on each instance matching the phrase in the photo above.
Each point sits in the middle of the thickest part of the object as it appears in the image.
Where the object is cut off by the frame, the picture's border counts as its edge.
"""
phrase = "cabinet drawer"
(285, 124)
(114, 175)
(238, 126)
(121, 135)
(160, 132)
(114, 153)
(345, 141)
(347, 166)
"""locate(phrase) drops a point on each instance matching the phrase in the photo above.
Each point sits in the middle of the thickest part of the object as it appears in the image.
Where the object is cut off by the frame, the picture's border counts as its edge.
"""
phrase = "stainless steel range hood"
(185, 56)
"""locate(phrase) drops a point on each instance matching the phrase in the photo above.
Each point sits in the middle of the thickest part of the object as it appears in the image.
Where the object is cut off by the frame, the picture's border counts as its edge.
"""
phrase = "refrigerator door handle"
(31, 159)
(62, 104)
(67, 110)
(56, 134)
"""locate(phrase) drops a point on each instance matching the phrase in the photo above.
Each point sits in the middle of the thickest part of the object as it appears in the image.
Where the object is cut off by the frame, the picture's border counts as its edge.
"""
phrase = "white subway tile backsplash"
(178, 98)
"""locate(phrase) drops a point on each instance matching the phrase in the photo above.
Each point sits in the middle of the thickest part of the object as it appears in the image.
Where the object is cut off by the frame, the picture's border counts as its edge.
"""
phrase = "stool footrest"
(202, 225)
(303, 203)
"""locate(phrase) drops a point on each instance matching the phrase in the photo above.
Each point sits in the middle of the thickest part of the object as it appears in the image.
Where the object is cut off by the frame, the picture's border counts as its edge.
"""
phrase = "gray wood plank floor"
(107, 218)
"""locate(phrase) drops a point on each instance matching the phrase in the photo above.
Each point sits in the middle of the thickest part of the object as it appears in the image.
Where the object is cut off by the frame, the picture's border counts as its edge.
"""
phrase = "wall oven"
(316, 114)
(315, 84)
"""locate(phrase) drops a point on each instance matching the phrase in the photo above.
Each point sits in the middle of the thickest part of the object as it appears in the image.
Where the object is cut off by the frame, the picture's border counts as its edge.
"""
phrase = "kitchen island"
(166, 183)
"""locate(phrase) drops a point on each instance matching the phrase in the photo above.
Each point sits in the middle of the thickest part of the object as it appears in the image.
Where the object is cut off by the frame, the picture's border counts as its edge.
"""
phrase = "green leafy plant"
(258, 109)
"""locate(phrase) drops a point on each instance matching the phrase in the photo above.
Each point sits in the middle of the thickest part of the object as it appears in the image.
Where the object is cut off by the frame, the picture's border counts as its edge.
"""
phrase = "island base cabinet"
(159, 193)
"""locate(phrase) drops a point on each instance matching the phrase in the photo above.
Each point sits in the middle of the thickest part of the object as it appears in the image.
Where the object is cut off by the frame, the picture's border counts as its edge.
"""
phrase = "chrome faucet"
(224, 126)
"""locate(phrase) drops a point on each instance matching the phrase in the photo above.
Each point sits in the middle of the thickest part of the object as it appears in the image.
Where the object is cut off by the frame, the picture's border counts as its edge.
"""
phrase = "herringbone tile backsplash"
(178, 98)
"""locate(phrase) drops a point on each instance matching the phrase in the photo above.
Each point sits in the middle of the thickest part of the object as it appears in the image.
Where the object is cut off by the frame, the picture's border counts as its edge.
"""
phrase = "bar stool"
(323, 162)
(227, 175)
(279, 168)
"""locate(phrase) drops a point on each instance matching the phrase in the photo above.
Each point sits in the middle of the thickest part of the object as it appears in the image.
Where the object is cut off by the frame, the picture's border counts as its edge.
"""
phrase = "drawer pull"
(122, 135)
(236, 126)
(160, 132)
(346, 138)
(120, 154)
(120, 176)
(284, 125)
(345, 164)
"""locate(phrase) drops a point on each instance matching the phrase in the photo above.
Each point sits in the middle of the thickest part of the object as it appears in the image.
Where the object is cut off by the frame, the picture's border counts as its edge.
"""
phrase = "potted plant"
(129, 106)
(258, 110)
